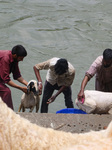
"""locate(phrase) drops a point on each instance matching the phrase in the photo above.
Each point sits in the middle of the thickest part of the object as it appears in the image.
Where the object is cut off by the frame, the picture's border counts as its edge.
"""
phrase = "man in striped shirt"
(102, 68)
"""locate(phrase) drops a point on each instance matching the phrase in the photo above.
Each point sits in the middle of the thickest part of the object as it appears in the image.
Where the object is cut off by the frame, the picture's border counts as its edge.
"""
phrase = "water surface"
(75, 29)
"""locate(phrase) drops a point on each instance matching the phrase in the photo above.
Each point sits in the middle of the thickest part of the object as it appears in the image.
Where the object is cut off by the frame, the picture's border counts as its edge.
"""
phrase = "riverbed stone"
(74, 123)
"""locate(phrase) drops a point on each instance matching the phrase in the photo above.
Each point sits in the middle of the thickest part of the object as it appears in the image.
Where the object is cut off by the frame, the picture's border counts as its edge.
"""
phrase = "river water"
(78, 30)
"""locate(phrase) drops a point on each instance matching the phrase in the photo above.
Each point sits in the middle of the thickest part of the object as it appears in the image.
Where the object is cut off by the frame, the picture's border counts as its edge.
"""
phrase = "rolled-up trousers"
(5, 94)
(47, 93)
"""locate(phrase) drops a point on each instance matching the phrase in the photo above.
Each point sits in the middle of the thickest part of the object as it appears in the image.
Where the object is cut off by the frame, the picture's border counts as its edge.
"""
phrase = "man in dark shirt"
(9, 64)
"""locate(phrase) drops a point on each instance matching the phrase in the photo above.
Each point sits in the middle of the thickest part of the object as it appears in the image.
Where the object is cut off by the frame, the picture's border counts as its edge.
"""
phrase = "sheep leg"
(20, 108)
(23, 109)
(37, 106)
(31, 109)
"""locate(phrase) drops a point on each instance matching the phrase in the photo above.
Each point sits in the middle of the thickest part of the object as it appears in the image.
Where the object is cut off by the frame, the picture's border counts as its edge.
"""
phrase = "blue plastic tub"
(70, 111)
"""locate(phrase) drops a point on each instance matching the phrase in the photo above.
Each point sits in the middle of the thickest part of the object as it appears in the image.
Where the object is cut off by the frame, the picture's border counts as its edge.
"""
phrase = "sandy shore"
(75, 123)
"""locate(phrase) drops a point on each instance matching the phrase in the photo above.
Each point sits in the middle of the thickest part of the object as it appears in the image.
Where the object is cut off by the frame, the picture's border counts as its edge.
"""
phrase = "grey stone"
(74, 123)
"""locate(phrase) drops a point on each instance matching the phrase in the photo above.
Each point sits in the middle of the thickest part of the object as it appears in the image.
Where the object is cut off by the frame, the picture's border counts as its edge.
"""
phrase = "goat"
(31, 99)
(96, 102)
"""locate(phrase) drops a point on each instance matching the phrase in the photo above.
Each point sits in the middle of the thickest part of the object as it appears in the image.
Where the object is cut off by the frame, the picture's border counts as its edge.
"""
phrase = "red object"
(81, 100)
(7, 66)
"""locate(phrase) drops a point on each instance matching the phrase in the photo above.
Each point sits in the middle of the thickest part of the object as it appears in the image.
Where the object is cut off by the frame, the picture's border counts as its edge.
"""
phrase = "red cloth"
(5, 94)
(7, 66)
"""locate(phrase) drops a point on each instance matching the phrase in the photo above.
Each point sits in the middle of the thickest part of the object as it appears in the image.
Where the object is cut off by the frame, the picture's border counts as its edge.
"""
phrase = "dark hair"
(19, 50)
(61, 66)
(107, 54)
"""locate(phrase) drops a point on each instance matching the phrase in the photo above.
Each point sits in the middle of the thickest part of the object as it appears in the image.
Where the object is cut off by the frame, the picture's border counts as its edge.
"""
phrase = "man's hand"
(81, 95)
(40, 88)
(50, 100)
(11, 83)
(24, 89)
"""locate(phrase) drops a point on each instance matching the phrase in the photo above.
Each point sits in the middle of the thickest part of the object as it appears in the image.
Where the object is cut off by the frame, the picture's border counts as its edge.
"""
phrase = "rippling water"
(75, 29)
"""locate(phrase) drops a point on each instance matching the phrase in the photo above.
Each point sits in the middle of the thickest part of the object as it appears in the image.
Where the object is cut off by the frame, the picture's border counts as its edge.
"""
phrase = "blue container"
(70, 111)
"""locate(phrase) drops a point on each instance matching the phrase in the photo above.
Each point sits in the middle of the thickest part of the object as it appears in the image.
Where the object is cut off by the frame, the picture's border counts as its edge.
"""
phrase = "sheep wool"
(17, 133)
(96, 102)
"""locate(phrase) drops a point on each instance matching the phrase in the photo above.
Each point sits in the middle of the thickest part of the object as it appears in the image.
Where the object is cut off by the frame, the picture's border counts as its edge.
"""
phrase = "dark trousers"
(48, 91)
(5, 94)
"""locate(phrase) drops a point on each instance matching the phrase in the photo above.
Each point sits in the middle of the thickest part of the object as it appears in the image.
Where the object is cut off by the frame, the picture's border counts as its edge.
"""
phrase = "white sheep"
(17, 133)
(31, 99)
(96, 102)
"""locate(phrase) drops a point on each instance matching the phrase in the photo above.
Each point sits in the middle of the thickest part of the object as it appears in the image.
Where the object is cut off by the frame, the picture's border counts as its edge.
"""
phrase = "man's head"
(19, 52)
(61, 66)
(107, 58)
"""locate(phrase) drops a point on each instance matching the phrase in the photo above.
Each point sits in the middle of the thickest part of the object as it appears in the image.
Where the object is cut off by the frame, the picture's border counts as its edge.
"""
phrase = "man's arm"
(41, 66)
(83, 85)
(37, 73)
(23, 81)
(50, 100)
(89, 74)
(12, 84)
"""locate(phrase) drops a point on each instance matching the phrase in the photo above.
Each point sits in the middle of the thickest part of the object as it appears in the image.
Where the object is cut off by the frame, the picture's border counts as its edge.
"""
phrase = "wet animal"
(96, 102)
(32, 98)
